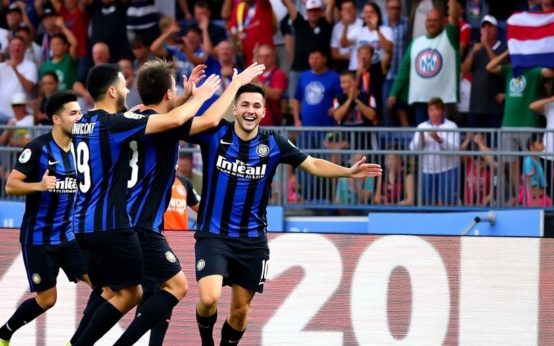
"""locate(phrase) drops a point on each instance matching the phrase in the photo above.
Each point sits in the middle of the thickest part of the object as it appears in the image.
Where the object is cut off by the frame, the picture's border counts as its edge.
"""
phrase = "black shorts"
(160, 262)
(239, 261)
(114, 258)
(43, 263)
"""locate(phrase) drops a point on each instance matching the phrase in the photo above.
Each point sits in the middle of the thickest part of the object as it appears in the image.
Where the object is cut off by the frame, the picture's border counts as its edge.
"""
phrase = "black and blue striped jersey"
(152, 163)
(237, 178)
(101, 142)
(47, 218)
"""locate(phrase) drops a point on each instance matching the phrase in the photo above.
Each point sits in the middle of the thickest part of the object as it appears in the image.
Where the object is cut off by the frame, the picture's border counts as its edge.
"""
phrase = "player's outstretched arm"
(327, 169)
(16, 184)
(215, 113)
(179, 115)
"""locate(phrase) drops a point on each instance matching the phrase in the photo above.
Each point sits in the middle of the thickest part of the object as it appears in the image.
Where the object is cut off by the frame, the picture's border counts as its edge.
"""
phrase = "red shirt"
(274, 78)
(77, 22)
(254, 26)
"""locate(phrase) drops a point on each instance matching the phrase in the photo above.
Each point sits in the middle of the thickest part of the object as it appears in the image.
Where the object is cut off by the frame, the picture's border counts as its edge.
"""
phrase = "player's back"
(101, 142)
(47, 213)
(152, 165)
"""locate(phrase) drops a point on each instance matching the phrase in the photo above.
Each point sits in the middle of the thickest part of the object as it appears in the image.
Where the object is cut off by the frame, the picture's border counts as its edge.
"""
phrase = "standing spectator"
(203, 14)
(373, 34)
(399, 27)
(100, 55)
(314, 31)
(275, 85)
(16, 16)
(19, 137)
(64, 57)
(108, 25)
(546, 106)
(315, 92)
(33, 52)
(532, 193)
(126, 67)
(142, 20)
(349, 22)
(431, 67)
(48, 20)
(440, 173)
(141, 52)
(520, 92)
(183, 196)
(396, 185)
(49, 85)
(484, 109)
(371, 77)
(418, 13)
(17, 75)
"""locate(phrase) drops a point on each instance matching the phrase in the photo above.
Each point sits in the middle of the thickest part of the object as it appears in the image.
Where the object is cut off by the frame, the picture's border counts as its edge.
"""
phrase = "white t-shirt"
(337, 33)
(4, 40)
(10, 85)
(549, 136)
(363, 36)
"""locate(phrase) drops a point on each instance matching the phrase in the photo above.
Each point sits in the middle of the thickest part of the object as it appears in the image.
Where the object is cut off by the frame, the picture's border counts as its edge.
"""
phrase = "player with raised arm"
(103, 226)
(240, 160)
(45, 174)
(152, 167)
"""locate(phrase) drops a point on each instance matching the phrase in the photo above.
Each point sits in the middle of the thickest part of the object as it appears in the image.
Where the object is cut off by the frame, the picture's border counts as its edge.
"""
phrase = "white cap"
(313, 4)
(489, 19)
(19, 99)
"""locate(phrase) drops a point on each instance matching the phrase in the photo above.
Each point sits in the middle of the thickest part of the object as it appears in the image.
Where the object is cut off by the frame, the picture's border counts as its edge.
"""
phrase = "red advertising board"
(349, 290)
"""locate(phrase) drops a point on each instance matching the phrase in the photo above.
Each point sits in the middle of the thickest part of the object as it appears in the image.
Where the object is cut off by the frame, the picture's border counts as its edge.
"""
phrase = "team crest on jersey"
(36, 279)
(132, 115)
(428, 63)
(517, 86)
(170, 257)
(25, 156)
(262, 150)
(200, 265)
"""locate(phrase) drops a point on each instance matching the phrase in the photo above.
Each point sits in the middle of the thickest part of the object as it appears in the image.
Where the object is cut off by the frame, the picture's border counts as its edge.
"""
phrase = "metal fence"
(449, 169)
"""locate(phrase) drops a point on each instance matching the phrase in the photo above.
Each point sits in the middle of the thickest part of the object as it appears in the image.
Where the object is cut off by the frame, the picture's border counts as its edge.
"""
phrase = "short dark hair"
(250, 88)
(347, 72)
(23, 28)
(61, 37)
(317, 49)
(51, 74)
(436, 101)
(534, 138)
(202, 4)
(100, 78)
(155, 77)
(56, 102)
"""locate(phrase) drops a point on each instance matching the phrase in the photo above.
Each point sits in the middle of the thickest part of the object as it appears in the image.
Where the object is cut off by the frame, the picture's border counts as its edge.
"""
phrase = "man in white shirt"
(440, 173)
(18, 137)
(349, 22)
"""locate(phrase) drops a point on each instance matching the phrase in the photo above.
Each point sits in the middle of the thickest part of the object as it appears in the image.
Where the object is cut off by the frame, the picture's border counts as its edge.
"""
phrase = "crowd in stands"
(436, 65)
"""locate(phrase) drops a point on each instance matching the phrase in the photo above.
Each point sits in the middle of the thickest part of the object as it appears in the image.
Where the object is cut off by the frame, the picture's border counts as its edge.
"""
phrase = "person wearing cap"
(16, 16)
(17, 75)
(485, 110)
(19, 137)
(48, 20)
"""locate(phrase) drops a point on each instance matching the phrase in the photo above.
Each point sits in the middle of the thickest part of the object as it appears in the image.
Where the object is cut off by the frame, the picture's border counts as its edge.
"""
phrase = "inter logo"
(262, 150)
(428, 63)
(36, 279)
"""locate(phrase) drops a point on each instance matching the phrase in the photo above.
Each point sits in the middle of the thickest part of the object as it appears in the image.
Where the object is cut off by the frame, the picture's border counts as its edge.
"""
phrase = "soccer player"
(45, 173)
(103, 226)
(152, 167)
(240, 160)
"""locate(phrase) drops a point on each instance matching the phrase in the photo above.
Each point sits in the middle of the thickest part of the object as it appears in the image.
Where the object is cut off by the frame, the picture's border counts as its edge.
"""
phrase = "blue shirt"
(316, 93)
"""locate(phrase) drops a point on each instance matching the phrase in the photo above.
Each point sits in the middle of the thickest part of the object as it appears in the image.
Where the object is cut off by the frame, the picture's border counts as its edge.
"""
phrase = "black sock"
(94, 301)
(105, 317)
(157, 333)
(229, 335)
(152, 311)
(25, 313)
(206, 328)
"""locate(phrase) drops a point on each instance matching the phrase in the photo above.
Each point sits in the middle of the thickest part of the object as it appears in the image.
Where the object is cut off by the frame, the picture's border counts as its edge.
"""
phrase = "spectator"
(399, 27)
(203, 14)
(418, 12)
(33, 52)
(431, 66)
(440, 173)
(544, 5)
(142, 20)
(126, 67)
(520, 92)
(275, 85)
(480, 170)
(48, 20)
(100, 55)
(313, 100)
(64, 57)
(349, 22)
(373, 34)
(18, 137)
(183, 196)
(141, 52)
(396, 185)
(251, 24)
(532, 192)
(49, 84)
(314, 31)
(371, 77)
(354, 192)
(17, 75)
(4, 35)
(485, 110)
(107, 23)
(16, 16)
(184, 165)
(546, 106)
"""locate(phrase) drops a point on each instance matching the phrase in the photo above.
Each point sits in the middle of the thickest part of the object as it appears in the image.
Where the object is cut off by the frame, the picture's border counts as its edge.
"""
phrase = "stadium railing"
(484, 171)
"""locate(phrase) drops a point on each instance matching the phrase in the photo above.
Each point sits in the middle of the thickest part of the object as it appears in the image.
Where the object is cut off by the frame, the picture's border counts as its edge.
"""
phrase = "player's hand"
(48, 182)
(435, 136)
(198, 73)
(248, 74)
(206, 90)
(362, 170)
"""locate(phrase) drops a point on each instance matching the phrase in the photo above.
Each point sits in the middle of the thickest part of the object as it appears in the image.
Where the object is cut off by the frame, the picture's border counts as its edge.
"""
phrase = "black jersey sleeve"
(193, 197)
(290, 154)
(28, 162)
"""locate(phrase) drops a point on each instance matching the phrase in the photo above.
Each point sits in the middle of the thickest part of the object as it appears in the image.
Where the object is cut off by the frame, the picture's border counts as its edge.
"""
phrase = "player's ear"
(112, 92)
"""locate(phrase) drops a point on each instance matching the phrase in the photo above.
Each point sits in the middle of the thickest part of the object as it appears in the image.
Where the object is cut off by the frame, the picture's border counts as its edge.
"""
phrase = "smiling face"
(249, 110)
